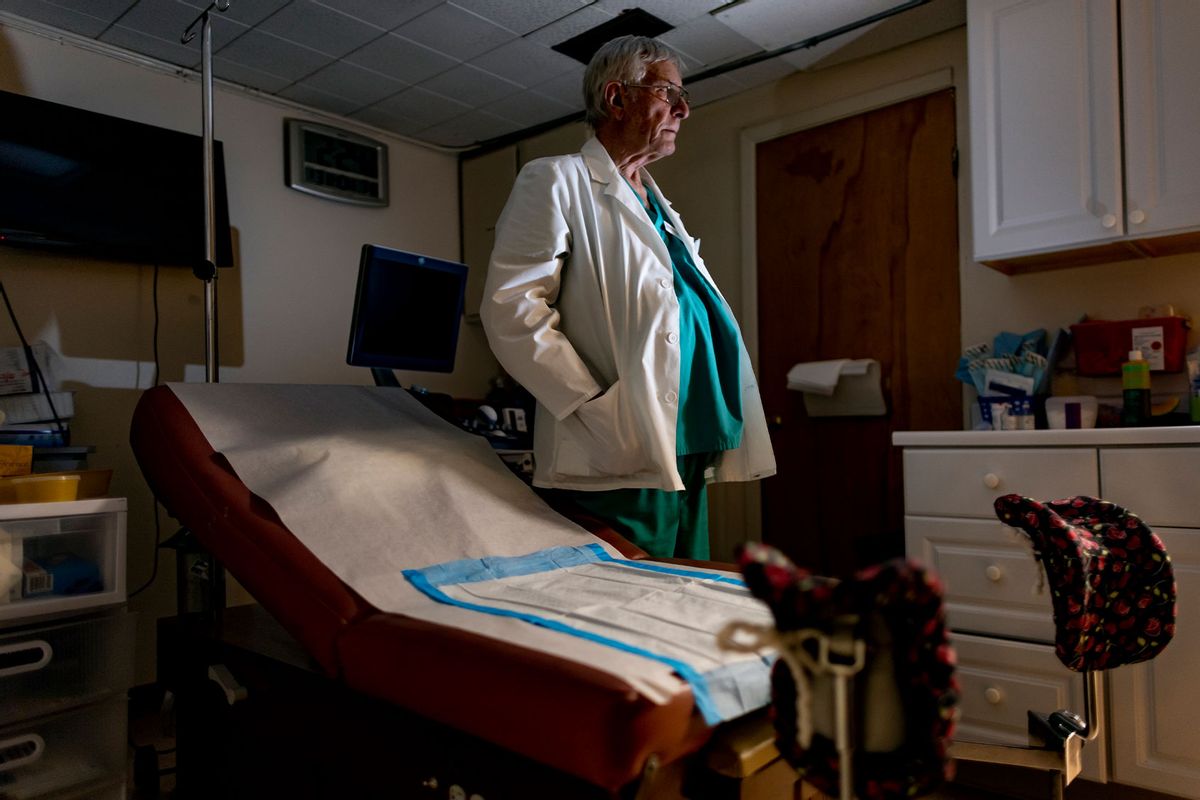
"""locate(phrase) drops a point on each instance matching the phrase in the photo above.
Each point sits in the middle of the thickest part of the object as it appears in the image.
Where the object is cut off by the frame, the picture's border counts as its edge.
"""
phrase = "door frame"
(750, 138)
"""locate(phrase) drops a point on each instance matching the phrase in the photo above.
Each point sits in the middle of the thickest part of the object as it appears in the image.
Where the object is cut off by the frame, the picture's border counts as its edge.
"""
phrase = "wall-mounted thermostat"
(335, 164)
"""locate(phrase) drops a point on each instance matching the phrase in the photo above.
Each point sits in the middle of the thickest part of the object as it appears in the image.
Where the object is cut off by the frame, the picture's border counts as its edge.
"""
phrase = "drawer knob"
(991, 480)
(993, 695)
(993, 573)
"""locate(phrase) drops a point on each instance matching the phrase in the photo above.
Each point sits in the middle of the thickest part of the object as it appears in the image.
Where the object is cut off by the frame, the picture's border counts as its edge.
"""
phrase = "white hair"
(625, 59)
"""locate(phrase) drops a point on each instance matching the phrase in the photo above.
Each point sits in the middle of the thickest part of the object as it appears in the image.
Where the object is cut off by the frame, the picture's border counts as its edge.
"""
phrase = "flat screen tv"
(104, 186)
(407, 309)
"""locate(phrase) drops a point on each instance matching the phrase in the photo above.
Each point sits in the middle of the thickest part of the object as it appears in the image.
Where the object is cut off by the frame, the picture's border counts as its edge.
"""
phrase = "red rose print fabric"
(1112, 584)
(897, 609)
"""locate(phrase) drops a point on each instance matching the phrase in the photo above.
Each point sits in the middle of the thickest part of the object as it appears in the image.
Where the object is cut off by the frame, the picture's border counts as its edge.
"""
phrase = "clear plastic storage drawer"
(58, 557)
(63, 754)
(51, 668)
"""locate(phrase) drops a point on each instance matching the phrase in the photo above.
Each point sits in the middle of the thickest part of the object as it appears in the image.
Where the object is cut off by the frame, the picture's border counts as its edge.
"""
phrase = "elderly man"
(598, 302)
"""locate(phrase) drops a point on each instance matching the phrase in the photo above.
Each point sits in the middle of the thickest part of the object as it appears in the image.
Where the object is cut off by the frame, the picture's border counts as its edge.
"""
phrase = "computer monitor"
(407, 310)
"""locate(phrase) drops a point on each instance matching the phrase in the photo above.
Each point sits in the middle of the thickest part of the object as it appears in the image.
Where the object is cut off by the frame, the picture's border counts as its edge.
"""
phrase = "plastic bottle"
(1135, 390)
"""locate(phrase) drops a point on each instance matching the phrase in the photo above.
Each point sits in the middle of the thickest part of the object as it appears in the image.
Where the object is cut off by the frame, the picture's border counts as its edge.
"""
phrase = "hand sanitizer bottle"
(1135, 390)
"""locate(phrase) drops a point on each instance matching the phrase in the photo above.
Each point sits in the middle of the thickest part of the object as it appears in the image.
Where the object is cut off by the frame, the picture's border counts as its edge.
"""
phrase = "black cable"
(154, 569)
(34, 369)
(154, 297)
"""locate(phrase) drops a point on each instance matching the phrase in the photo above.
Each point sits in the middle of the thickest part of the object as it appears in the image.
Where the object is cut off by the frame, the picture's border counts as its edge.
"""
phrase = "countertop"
(1089, 437)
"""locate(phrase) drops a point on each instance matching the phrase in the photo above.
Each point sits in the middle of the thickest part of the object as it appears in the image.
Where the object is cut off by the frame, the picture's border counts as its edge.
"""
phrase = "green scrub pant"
(664, 524)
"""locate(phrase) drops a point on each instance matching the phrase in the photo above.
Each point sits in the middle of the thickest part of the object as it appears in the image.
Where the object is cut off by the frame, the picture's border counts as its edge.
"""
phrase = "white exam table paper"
(355, 471)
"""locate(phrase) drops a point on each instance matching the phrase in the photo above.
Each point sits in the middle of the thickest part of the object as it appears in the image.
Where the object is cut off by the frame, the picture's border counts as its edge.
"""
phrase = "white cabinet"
(1047, 81)
(66, 650)
(1002, 626)
(1154, 739)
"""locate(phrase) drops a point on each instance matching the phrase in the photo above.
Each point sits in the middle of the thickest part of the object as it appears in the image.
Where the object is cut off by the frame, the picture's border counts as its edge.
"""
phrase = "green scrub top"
(709, 420)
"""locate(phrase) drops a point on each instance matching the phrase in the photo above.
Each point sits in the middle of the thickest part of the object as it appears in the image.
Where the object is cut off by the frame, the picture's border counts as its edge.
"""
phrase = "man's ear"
(614, 99)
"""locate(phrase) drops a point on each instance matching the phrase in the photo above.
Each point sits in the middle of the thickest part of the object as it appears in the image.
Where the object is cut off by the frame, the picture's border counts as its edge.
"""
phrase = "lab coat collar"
(604, 170)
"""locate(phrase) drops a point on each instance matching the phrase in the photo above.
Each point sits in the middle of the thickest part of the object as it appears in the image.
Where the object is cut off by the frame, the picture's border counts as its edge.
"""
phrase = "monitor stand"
(384, 377)
(440, 404)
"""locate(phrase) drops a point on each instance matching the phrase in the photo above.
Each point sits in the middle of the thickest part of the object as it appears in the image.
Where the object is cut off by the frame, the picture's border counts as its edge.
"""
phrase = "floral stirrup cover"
(908, 685)
(1111, 582)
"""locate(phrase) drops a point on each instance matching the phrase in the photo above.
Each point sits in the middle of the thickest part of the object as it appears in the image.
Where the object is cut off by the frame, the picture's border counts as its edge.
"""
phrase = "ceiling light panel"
(778, 23)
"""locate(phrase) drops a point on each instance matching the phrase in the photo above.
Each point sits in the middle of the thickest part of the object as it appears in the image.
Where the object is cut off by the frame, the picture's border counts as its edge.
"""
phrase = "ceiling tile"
(248, 76)
(571, 25)
(707, 91)
(708, 41)
(316, 98)
(168, 19)
(456, 32)
(386, 15)
(566, 89)
(268, 53)
(401, 59)
(529, 108)
(470, 85)
(360, 86)
(525, 16)
(763, 72)
(808, 56)
(777, 23)
(477, 126)
(109, 10)
(422, 107)
(524, 62)
(376, 116)
(675, 12)
(319, 28)
(247, 12)
(170, 51)
(48, 14)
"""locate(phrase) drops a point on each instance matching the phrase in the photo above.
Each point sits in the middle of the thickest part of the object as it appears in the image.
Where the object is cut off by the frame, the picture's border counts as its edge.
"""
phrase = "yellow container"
(45, 488)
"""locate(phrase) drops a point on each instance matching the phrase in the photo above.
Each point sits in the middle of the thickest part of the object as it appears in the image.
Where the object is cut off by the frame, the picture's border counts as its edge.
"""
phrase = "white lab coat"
(580, 308)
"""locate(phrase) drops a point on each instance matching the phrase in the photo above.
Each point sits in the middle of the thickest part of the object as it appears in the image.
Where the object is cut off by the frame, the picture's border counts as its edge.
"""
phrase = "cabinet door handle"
(993, 695)
(993, 573)
(991, 480)
(1137, 216)
(24, 657)
(1109, 220)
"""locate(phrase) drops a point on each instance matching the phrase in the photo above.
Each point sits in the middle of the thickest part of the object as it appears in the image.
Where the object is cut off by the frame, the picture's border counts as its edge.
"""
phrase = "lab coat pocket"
(595, 440)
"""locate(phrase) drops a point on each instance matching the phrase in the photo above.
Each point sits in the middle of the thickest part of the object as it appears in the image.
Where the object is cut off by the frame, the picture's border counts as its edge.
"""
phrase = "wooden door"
(857, 258)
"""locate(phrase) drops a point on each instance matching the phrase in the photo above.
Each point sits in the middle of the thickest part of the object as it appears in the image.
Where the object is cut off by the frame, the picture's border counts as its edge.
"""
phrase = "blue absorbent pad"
(666, 613)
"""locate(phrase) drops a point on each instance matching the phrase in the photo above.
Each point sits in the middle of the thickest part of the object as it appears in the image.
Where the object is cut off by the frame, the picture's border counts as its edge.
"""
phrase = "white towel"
(821, 377)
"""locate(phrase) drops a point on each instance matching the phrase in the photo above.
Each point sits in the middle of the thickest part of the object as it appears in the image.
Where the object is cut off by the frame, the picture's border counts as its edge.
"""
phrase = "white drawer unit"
(1160, 485)
(1002, 628)
(73, 752)
(965, 483)
(989, 576)
(72, 556)
(1001, 680)
(48, 668)
(66, 650)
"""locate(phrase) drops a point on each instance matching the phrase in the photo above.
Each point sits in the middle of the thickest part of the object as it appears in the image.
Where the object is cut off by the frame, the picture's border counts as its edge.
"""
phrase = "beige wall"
(285, 308)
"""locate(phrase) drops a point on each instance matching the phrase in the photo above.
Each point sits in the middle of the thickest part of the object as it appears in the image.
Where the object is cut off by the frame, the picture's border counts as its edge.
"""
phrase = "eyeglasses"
(669, 92)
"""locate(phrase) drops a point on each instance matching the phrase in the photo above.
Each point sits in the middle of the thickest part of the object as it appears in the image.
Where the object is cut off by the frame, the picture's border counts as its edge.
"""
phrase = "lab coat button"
(670, 397)
(664, 282)
(672, 337)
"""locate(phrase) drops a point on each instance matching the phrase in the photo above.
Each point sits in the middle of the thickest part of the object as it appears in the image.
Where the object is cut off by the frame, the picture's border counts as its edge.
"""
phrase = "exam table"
(552, 726)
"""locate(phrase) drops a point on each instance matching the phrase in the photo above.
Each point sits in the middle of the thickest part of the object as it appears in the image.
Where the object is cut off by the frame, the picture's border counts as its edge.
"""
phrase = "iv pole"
(197, 572)
(207, 270)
